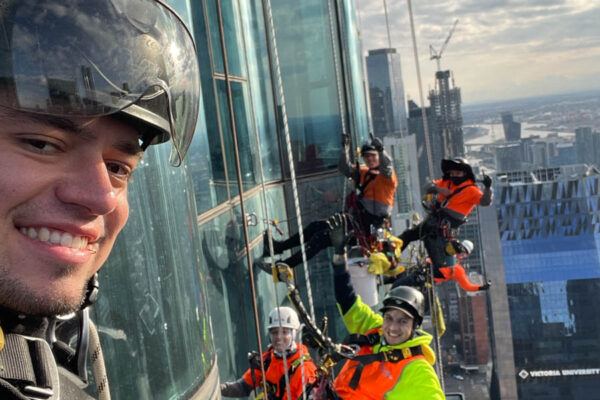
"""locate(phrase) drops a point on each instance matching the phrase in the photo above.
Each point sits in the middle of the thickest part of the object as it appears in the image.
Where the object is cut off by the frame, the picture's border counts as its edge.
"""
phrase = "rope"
(241, 190)
(336, 71)
(278, 83)
(389, 38)
(275, 58)
(423, 113)
(98, 367)
(339, 91)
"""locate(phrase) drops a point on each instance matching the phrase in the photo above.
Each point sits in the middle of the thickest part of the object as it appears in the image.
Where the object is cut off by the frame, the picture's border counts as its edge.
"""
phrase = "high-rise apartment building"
(388, 109)
(549, 225)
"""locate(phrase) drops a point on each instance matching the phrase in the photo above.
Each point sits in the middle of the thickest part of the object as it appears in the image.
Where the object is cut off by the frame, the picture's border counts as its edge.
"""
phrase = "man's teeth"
(54, 237)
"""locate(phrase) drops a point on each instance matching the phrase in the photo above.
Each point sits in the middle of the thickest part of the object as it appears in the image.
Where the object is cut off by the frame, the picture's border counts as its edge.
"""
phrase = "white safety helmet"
(284, 317)
(468, 246)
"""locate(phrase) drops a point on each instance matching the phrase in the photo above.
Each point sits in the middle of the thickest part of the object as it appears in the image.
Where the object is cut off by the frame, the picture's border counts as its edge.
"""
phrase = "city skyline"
(499, 50)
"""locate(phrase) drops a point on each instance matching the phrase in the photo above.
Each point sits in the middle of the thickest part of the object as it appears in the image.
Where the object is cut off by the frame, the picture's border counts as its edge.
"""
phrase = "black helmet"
(406, 298)
(457, 164)
(368, 147)
(134, 59)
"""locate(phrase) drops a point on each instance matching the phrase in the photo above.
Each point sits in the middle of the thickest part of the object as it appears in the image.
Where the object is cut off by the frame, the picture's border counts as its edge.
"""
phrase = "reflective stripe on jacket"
(275, 371)
(411, 378)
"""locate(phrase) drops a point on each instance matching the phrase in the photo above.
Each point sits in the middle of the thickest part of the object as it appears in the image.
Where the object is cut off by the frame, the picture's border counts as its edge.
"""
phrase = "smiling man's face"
(63, 185)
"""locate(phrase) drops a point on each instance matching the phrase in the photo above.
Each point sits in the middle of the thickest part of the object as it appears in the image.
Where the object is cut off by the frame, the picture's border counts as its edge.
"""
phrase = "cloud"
(495, 43)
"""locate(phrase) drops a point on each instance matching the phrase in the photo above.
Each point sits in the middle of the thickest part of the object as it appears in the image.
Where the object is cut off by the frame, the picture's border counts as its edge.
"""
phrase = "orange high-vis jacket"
(378, 377)
(276, 371)
(379, 190)
(412, 378)
(462, 202)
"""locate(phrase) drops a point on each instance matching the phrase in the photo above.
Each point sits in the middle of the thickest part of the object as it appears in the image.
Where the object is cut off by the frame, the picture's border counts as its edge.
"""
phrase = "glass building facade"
(176, 312)
(550, 232)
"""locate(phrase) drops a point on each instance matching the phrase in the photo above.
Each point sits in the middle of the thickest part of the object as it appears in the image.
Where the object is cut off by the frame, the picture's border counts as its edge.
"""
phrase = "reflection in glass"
(259, 79)
(309, 79)
(244, 139)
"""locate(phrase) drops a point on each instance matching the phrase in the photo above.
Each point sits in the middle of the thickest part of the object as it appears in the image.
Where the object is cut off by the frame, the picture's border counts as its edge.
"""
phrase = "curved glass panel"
(308, 71)
(259, 79)
(223, 251)
(359, 114)
(152, 309)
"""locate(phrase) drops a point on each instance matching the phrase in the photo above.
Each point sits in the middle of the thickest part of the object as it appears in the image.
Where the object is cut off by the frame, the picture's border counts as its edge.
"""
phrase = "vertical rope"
(336, 67)
(270, 238)
(423, 112)
(241, 189)
(286, 131)
(339, 86)
(277, 86)
(393, 75)
(98, 366)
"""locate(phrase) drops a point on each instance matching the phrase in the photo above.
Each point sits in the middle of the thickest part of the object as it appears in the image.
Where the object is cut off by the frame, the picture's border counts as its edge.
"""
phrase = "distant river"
(496, 133)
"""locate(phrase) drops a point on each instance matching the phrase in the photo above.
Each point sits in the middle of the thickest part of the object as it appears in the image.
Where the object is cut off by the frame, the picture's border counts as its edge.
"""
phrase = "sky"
(500, 49)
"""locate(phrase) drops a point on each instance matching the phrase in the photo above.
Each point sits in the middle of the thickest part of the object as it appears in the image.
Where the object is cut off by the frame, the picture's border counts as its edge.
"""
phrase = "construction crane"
(433, 55)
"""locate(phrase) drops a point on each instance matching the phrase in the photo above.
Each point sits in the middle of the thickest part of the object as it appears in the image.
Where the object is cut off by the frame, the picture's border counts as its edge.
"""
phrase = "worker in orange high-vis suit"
(283, 327)
(395, 360)
(456, 251)
(448, 202)
(371, 205)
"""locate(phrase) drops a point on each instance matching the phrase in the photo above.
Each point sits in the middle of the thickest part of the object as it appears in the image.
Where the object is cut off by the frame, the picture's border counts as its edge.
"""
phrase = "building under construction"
(445, 103)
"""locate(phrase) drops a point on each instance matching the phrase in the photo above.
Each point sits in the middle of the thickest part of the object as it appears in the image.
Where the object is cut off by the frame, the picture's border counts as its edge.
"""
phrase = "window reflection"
(309, 79)
(245, 141)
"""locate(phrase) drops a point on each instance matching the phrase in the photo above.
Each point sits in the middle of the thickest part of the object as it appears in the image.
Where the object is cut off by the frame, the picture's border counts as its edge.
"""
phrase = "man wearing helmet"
(452, 200)
(456, 251)
(284, 362)
(370, 206)
(85, 88)
(395, 359)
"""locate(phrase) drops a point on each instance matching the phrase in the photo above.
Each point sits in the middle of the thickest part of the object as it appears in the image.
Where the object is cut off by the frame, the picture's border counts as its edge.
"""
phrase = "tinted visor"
(86, 58)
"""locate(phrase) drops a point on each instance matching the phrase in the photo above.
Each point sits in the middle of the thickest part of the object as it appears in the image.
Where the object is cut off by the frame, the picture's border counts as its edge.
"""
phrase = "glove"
(487, 181)
(345, 140)
(337, 233)
(377, 143)
(485, 286)
(254, 359)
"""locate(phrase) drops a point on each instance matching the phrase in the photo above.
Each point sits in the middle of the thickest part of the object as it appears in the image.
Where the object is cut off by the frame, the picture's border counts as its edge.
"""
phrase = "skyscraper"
(587, 145)
(512, 129)
(416, 127)
(550, 233)
(386, 89)
(446, 104)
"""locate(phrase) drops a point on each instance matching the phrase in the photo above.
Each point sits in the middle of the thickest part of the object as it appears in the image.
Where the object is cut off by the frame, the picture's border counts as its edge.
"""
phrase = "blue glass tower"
(549, 224)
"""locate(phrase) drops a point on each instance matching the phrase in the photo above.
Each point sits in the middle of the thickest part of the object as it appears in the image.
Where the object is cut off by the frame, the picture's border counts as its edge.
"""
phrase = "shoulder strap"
(393, 356)
(370, 339)
(457, 191)
(293, 366)
(28, 365)
(361, 186)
